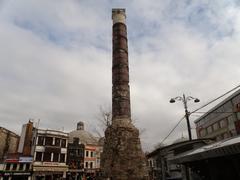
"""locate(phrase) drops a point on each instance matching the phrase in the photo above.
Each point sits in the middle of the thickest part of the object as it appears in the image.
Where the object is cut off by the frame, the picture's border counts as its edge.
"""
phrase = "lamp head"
(172, 100)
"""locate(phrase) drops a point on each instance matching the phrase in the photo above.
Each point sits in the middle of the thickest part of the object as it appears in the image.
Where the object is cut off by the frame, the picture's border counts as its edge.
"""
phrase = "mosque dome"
(83, 136)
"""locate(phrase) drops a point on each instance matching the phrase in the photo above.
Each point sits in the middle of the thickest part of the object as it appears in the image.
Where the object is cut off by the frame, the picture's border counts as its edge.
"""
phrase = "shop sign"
(25, 159)
(49, 169)
(17, 174)
(11, 160)
(21, 173)
(50, 163)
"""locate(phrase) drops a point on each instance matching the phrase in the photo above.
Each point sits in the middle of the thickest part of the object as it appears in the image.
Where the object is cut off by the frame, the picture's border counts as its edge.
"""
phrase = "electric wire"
(215, 112)
(215, 99)
(173, 129)
(195, 111)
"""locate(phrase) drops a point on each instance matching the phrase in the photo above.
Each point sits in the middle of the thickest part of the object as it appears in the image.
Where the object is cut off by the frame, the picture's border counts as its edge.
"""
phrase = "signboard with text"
(25, 159)
(50, 163)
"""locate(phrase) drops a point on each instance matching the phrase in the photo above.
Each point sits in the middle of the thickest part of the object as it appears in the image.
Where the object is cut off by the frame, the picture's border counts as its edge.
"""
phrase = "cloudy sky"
(55, 60)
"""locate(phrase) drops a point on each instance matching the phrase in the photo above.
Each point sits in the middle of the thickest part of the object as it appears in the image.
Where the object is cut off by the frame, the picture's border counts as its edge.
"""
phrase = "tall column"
(120, 70)
(122, 157)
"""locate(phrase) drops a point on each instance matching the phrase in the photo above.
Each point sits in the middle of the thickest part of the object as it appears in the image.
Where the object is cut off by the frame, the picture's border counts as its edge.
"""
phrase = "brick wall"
(8, 142)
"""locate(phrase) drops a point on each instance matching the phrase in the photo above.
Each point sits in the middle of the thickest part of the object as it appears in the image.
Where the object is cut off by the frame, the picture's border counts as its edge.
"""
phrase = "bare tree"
(105, 117)
(104, 120)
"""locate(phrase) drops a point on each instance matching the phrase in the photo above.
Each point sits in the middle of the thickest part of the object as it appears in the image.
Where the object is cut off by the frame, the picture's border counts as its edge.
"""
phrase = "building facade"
(49, 154)
(219, 160)
(90, 160)
(18, 165)
(81, 140)
(75, 159)
(160, 167)
(8, 143)
(25, 143)
(222, 121)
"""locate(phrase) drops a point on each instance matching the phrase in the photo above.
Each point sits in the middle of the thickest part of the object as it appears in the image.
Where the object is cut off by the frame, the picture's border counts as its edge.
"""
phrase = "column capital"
(118, 16)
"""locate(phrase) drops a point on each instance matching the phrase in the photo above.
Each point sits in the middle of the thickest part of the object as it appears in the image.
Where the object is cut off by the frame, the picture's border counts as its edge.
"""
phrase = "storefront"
(16, 167)
(220, 160)
(15, 175)
(75, 174)
(49, 172)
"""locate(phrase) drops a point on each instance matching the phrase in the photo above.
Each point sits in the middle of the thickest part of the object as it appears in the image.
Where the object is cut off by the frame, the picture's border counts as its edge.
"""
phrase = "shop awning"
(219, 149)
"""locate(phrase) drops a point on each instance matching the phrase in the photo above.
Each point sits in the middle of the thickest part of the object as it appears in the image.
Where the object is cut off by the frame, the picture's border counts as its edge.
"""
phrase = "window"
(80, 152)
(238, 115)
(21, 166)
(215, 126)
(209, 129)
(150, 163)
(27, 166)
(55, 157)
(238, 107)
(38, 156)
(203, 132)
(47, 157)
(154, 163)
(14, 167)
(230, 119)
(86, 153)
(63, 143)
(75, 140)
(57, 142)
(86, 164)
(40, 140)
(223, 123)
(48, 141)
(91, 154)
(62, 157)
(8, 166)
(71, 152)
(91, 165)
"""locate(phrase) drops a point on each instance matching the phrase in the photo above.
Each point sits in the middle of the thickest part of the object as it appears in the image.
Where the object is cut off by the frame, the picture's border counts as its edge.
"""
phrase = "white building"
(49, 154)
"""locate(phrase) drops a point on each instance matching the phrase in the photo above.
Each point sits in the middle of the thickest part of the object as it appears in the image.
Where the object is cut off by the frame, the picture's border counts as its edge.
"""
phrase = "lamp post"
(185, 99)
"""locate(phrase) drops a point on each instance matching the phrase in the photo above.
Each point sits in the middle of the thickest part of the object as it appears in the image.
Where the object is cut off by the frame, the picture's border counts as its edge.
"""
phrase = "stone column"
(122, 157)
(120, 70)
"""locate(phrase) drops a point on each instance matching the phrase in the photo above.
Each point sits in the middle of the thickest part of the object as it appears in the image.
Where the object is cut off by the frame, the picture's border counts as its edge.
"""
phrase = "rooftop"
(220, 148)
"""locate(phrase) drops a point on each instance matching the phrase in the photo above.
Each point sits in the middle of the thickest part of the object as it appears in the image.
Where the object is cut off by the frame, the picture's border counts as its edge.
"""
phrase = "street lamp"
(185, 99)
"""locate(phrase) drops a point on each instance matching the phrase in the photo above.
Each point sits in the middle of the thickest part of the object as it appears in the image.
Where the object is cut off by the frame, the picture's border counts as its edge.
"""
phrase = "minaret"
(122, 158)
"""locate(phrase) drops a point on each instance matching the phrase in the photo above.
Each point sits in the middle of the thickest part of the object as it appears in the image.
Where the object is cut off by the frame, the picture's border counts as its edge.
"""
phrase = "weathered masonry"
(122, 158)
